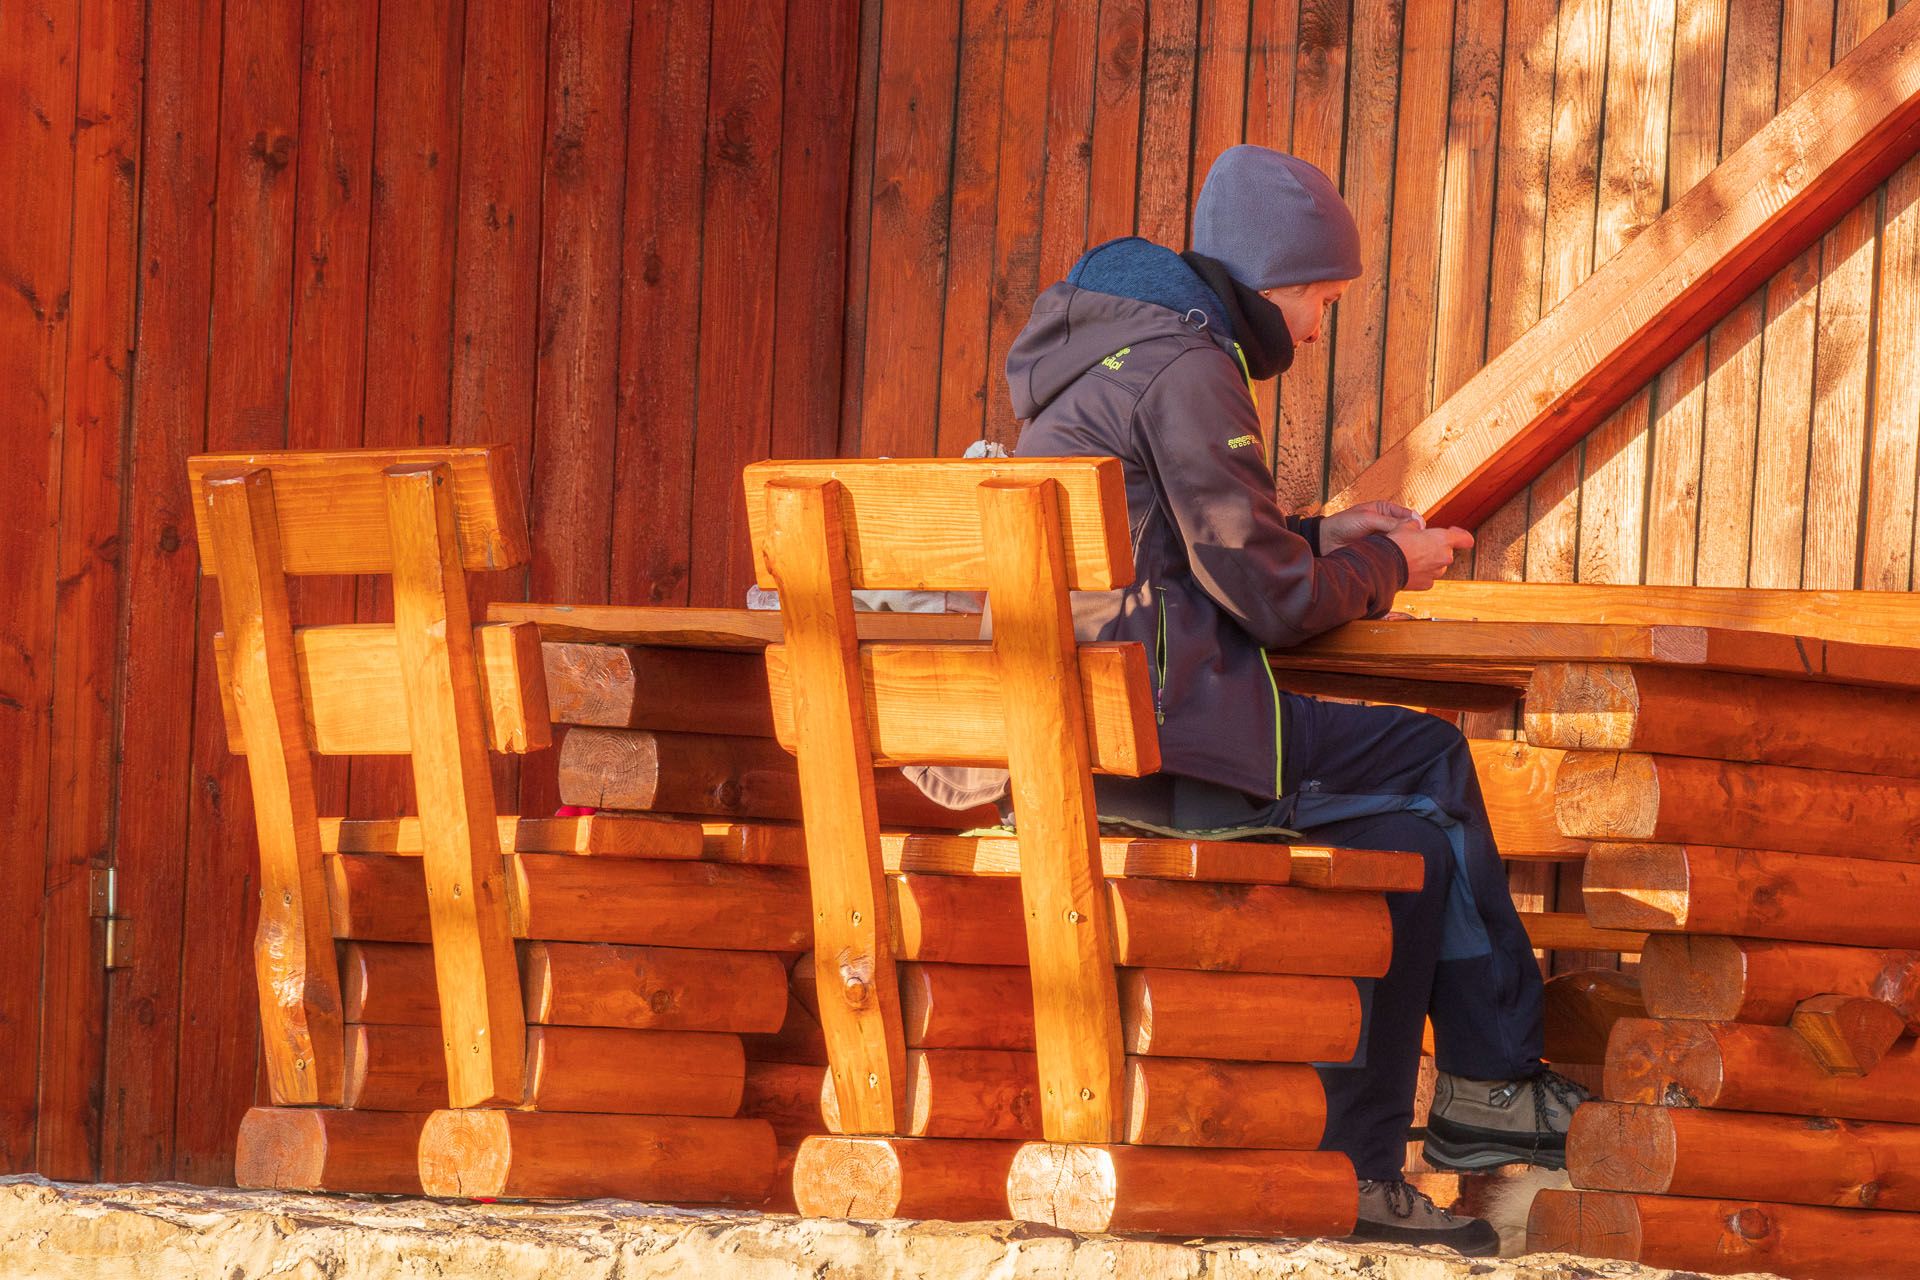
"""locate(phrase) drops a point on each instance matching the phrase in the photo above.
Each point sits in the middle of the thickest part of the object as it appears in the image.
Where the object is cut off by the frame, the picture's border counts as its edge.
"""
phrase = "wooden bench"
(406, 1061)
(1141, 1011)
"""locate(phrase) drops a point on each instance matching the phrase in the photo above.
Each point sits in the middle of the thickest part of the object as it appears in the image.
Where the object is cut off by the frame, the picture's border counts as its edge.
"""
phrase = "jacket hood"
(1074, 329)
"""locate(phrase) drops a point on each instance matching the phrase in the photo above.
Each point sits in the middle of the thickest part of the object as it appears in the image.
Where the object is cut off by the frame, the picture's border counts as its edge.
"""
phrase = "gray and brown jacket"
(1221, 573)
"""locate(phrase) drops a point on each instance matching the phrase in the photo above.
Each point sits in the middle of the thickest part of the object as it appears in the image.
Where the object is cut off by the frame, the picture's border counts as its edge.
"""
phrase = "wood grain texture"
(1720, 1154)
(802, 545)
(1829, 169)
(485, 1035)
(990, 1094)
(1180, 1191)
(871, 1178)
(650, 988)
(1725, 979)
(1427, 50)
(1687, 1233)
(558, 1155)
(1735, 1066)
(622, 1071)
(1255, 1017)
(315, 1149)
(298, 984)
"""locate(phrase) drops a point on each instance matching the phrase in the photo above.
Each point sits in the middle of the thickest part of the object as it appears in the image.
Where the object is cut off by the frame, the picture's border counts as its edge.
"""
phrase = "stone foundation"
(65, 1231)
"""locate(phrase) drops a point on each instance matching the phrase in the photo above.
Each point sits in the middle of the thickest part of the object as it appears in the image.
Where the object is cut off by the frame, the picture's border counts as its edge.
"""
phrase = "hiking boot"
(1482, 1124)
(1395, 1213)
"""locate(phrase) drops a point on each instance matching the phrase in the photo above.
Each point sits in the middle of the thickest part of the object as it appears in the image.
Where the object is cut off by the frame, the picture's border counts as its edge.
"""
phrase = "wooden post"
(859, 1001)
(299, 985)
(484, 1036)
(1075, 1002)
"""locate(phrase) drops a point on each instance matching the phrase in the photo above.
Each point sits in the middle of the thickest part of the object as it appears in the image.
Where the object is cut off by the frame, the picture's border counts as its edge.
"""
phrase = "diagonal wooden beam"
(1642, 308)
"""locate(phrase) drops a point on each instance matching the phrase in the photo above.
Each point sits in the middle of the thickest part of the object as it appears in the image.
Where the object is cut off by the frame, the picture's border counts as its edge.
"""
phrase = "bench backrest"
(420, 686)
(1027, 532)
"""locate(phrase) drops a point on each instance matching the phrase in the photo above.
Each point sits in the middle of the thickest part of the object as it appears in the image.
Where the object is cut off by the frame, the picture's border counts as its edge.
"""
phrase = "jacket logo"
(1114, 361)
(1240, 442)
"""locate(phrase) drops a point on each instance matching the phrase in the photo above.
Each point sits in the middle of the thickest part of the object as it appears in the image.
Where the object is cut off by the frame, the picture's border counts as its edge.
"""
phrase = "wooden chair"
(416, 1068)
(1172, 1093)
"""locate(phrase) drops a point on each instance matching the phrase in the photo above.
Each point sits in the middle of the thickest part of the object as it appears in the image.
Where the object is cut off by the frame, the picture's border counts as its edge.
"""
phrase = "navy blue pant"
(1460, 954)
(1388, 778)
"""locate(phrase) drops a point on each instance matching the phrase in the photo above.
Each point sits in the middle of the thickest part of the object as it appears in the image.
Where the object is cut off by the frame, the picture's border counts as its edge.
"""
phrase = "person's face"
(1305, 305)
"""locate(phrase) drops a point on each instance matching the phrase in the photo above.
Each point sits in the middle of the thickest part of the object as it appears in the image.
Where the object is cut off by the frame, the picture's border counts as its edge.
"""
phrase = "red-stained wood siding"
(650, 242)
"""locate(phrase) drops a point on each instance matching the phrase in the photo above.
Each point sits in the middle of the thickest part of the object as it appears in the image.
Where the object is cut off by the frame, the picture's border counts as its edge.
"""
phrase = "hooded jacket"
(1220, 573)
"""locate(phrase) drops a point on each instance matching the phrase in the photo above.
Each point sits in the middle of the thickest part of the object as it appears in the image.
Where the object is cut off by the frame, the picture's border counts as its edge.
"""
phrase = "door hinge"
(103, 905)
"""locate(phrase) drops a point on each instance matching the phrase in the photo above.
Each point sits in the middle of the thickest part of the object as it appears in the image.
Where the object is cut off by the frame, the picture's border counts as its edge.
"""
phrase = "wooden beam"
(1721, 979)
(1716, 714)
(355, 701)
(1720, 1236)
(1627, 796)
(317, 1149)
(546, 1155)
(1645, 305)
(1183, 1191)
(1252, 1017)
(941, 704)
(619, 686)
(1754, 893)
(1737, 1066)
(1851, 617)
(1199, 1102)
(600, 835)
(747, 630)
(654, 988)
(1570, 931)
(874, 1178)
(1684, 1151)
(621, 1071)
(963, 1093)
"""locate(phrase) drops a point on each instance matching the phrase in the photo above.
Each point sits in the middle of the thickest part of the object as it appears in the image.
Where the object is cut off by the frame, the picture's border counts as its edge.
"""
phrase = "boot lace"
(1551, 1085)
(1404, 1199)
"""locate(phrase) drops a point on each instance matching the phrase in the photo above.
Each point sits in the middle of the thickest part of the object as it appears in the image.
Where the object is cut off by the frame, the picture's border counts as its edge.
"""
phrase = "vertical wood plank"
(1273, 49)
(481, 1019)
(965, 380)
(859, 998)
(1297, 417)
(817, 128)
(1467, 196)
(1419, 170)
(413, 222)
(1519, 247)
(1373, 77)
(1016, 229)
(919, 45)
(1076, 1009)
(1114, 170)
(1730, 432)
(1220, 85)
(742, 204)
(39, 62)
(1837, 448)
(1573, 181)
(1063, 216)
(1890, 531)
(298, 985)
(1633, 164)
(575, 431)
(246, 408)
(853, 382)
(179, 159)
(1680, 392)
(86, 676)
(1166, 123)
(1779, 514)
(657, 407)
(326, 375)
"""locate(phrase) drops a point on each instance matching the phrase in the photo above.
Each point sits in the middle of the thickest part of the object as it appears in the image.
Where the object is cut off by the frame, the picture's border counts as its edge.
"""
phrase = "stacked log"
(664, 1059)
(1765, 834)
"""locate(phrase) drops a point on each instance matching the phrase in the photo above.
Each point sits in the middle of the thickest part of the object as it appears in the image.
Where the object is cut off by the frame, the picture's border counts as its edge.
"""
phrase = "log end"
(1615, 1147)
(1063, 1185)
(1848, 1034)
(1702, 978)
(465, 1153)
(1642, 887)
(1582, 706)
(1607, 796)
(282, 1149)
(1665, 1064)
(847, 1177)
(1595, 1224)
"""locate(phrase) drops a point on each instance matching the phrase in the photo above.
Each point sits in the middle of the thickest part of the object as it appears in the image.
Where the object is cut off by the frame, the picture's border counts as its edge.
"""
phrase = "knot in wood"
(1751, 1224)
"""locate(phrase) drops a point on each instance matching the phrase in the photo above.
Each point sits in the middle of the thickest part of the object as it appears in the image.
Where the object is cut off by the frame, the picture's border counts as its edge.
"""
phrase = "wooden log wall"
(649, 242)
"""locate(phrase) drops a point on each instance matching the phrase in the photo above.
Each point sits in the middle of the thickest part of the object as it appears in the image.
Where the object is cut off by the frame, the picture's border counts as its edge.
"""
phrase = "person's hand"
(1344, 528)
(1428, 552)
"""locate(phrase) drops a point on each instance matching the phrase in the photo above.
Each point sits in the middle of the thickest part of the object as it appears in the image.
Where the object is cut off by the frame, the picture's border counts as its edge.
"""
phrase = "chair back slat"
(916, 525)
(333, 506)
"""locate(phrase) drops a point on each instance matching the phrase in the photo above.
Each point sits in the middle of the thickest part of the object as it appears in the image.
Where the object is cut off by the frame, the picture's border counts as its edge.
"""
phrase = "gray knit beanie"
(1273, 219)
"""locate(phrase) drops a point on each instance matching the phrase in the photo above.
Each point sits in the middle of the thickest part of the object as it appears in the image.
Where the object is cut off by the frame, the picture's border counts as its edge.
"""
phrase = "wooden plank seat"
(461, 926)
(1125, 1020)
